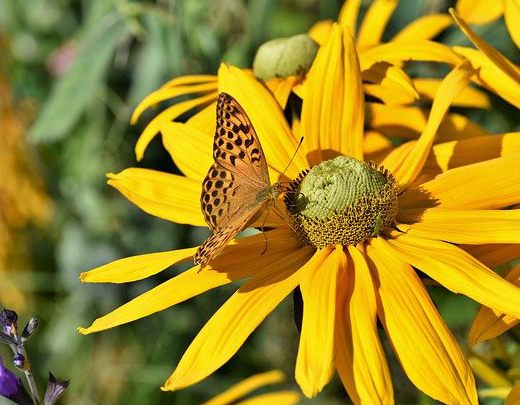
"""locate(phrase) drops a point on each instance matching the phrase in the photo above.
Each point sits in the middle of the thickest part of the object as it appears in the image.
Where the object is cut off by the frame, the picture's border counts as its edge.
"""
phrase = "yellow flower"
(449, 197)
(233, 394)
(485, 11)
(383, 78)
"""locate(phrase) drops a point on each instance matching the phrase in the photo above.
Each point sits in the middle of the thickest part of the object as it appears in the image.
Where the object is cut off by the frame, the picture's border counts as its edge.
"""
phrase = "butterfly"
(237, 185)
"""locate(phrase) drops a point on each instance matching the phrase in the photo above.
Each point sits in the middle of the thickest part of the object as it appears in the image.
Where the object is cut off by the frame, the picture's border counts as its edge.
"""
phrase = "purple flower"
(55, 390)
(11, 387)
(8, 319)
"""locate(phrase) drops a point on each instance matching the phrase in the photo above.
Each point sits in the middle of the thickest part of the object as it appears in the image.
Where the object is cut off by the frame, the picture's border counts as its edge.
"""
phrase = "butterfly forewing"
(230, 190)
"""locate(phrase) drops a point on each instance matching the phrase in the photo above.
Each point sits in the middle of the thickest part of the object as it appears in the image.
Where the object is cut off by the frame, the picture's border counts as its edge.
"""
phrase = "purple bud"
(55, 390)
(11, 387)
(8, 319)
(19, 361)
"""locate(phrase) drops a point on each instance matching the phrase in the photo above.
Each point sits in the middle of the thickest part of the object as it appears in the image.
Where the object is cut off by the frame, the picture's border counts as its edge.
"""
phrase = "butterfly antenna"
(293, 156)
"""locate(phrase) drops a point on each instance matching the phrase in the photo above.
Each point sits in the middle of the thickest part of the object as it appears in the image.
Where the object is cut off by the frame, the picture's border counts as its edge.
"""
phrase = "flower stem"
(20, 349)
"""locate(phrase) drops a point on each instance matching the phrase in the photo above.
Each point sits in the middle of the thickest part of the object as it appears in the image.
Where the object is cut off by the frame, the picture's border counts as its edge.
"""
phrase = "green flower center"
(343, 201)
(284, 57)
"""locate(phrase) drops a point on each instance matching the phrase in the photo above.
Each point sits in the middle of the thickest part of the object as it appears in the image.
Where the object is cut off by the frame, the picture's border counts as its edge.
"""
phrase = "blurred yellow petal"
(421, 340)
(241, 260)
(374, 22)
(136, 267)
(281, 87)
(514, 396)
(376, 146)
(171, 113)
(409, 122)
(167, 92)
(391, 78)
(493, 255)
(456, 270)
(278, 143)
(332, 116)
(488, 373)
(230, 326)
(468, 97)
(462, 226)
(246, 386)
(402, 51)
(168, 196)
(451, 86)
(360, 358)
(425, 27)
(273, 398)
(489, 324)
(397, 155)
(512, 17)
(388, 95)
(491, 184)
(189, 147)
(315, 361)
(348, 15)
(479, 11)
(320, 31)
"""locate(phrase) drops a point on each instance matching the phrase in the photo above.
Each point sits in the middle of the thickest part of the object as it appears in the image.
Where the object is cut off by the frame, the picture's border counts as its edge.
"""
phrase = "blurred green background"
(74, 71)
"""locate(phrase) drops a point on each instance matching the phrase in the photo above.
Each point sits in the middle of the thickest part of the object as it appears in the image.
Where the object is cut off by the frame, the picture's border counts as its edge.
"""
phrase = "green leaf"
(72, 93)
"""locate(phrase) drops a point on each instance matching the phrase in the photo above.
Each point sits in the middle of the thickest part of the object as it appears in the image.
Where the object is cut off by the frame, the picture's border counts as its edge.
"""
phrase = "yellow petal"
(424, 345)
(230, 326)
(332, 116)
(273, 398)
(387, 95)
(488, 372)
(320, 31)
(360, 358)
(376, 146)
(348, 15)
(168, 91)
(189, 147)
(493, 255)
(425, 27)
(490, 76)
(136, 267)
(375, 22)
(489, 324)
(281, 87)
(315, 361)
(167, 115)
(468, 97)
(402, 51)
(409, 122)
(451, 86)
(456, 270)
(512, 16)
(246, 386)
(240, 260)
(462, 226)
(479, 11)
(391, 78)
(491, 184)
(278, 143)
(205, 119)
(514, 396)
(168, 196)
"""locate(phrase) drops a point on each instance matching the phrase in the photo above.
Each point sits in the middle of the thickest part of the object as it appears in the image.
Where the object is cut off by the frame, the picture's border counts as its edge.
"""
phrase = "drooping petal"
(375, 22)
(456, 270)
(512, 16)
(514, 396)
(492, 184)
(189, 147)
(468, 97)
(479, 11)
(267, 117)
(332, 116)
(246, 386)
(493, 255)
(462, 226)
(136, 267)
(315, 361)
(489, 324)
(168, 115)
(451, 86)
(168, 196)
(425, 27)
(424, 345)
(273, 398)
(360, 358)
(240, 260)
(230, 326)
